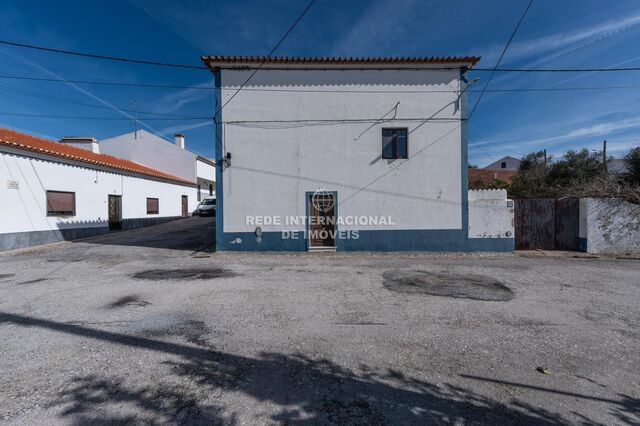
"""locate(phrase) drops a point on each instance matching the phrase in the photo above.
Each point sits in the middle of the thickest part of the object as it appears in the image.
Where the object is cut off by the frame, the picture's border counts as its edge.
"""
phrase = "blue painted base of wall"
(500, 245)
(583, 244)
(391, 241)
(247, 241)
(16, 240)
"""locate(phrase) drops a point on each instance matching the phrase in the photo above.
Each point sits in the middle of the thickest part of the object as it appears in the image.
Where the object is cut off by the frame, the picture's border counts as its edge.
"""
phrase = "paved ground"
(144, 327)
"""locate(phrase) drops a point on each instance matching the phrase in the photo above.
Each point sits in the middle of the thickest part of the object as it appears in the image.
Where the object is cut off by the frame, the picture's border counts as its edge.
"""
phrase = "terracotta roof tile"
(28, 142)
(318, 60)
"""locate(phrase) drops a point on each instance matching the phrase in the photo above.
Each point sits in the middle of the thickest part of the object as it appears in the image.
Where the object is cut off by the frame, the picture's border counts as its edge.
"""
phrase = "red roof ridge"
(30, 142)
(341, 59)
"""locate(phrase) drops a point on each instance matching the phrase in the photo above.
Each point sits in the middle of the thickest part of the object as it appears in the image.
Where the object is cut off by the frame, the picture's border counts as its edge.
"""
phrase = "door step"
(321, 249)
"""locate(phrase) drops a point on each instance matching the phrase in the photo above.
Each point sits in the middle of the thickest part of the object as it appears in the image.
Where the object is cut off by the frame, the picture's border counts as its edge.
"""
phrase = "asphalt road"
(146, 326)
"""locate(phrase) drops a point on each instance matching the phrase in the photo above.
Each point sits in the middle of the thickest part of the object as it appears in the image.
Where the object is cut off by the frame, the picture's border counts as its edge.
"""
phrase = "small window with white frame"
(395, 143)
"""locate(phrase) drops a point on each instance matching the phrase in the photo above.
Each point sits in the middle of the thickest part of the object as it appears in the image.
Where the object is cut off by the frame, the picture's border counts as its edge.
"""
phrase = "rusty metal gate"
(547, 224)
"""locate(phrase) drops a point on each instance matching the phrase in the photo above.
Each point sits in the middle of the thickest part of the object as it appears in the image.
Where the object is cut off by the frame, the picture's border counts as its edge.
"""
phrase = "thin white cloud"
(76, 87)
(184, 127)
(565, 41)
(600, 129)
(174, 101)
(377, 27)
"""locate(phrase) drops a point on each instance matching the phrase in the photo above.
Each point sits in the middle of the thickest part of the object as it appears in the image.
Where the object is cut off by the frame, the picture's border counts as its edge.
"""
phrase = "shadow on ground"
(190, 234)
(302, 390)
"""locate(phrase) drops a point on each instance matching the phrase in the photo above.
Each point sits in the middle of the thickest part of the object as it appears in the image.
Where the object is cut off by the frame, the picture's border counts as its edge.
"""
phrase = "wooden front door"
(115, 212)
(185, 206)
(322, 220)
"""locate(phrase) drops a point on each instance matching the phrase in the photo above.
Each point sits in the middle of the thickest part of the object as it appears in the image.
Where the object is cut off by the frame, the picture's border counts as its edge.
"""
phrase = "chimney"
(82, 142)
(179, 140)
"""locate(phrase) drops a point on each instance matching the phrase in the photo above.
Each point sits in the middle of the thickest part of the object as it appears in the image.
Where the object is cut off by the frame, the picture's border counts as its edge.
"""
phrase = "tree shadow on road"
(297, 388)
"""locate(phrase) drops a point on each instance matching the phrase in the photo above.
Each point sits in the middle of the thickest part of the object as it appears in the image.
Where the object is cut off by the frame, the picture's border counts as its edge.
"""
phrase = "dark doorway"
(185, 206)
(115, 212)
(321, 219)
(547, 224)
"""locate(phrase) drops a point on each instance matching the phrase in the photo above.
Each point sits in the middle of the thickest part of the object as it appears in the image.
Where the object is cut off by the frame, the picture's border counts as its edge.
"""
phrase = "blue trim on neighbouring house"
(219, 155)
(17, 240)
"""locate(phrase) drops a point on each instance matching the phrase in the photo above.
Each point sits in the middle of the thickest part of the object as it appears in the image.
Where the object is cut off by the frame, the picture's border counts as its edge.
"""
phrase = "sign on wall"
(13, 184)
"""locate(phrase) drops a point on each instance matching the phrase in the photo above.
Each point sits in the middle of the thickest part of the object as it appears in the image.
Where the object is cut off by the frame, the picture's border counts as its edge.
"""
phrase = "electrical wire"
(204, 68)
(96, 56)
(354, 91)
(282, 39)
(506, 47)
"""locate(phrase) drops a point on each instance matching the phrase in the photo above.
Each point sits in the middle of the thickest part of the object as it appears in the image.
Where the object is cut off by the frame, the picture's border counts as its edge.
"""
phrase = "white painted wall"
(271, 168)
(491, 214)
(152, 151)
(610, 226)
(206, 176)
(24, 209)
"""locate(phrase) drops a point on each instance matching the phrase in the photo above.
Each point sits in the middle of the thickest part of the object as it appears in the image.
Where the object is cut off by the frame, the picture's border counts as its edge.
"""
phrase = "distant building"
(481, 178)
(53, 191)
(153, 151)
(617, 166)
(505, 163)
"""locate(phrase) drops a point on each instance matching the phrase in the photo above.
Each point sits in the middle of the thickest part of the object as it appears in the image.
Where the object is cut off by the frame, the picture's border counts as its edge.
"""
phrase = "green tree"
(576, 168)
(531, 180)
(632, 160)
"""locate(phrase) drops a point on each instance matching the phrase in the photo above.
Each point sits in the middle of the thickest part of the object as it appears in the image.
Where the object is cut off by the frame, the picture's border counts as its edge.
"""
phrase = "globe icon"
(322, 200)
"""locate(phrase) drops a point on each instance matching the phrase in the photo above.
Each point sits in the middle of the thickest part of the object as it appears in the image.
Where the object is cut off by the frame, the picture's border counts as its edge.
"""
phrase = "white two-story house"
(343, 154)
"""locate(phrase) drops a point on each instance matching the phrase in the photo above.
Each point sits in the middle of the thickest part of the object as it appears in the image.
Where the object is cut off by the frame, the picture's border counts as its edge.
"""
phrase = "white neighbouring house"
(54, 191)
(344, 154)
(505, 163)
(153, 151)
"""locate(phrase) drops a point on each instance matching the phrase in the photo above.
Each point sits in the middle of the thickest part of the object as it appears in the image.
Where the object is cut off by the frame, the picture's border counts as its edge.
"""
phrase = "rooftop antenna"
(135, 119)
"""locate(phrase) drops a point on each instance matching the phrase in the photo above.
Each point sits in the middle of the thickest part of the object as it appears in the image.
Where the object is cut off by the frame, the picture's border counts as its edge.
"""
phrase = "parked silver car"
(207, 207)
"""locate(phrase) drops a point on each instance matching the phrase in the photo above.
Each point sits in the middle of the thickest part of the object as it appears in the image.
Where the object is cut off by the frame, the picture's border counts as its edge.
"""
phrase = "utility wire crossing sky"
(566, 78)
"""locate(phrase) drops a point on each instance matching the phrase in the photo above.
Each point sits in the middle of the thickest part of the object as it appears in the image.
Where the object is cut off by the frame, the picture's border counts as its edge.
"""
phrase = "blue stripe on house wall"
(444, 240)
(219, 163)
(464, 160)
(270, 241)
(583, 244)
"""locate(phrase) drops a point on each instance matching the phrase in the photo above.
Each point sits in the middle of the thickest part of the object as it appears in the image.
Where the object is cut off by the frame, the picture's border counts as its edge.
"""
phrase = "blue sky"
(555, 34)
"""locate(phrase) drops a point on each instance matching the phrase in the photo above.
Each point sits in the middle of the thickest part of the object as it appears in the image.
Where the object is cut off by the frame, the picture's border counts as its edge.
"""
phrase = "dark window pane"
(387, 144)
(153, 206)
(61, 203)
(401, 144)
(394, 143)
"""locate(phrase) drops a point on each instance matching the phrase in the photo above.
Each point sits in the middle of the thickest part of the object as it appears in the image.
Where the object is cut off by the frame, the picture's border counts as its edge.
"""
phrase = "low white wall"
(24, 181)
(609, 226)
(490, 214)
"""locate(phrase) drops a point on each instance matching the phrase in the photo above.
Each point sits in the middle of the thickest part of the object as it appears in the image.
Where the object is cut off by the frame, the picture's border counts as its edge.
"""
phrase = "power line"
(255, 89)
(203, 68)
(70, 117)
(506, 47)
(85, 104)
(282, 39)
(108, 83)
(104, 57)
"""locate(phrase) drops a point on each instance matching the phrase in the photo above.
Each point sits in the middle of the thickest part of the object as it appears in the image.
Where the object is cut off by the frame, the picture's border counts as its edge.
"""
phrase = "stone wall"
(609, 226)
